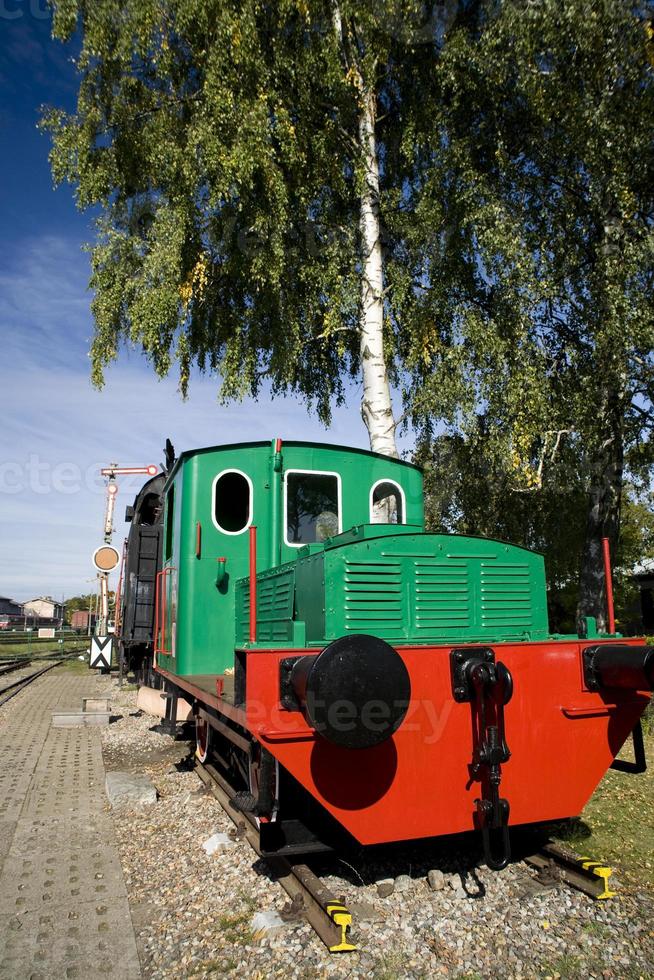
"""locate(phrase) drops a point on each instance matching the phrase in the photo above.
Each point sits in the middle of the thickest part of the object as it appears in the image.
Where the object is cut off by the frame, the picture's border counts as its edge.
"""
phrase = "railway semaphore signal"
(106, 557)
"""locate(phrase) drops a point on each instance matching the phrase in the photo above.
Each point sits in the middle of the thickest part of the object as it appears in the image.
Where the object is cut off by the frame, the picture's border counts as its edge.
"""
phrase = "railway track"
(310, 898)
(329, 917)
(15, 687)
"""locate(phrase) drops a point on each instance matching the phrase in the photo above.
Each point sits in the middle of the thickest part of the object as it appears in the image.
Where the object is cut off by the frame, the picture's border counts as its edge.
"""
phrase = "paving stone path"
(63, 904)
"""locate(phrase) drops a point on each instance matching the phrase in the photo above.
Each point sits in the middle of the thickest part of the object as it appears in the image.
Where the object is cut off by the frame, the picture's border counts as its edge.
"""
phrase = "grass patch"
(598, 929)
(74, 666)
(567, 967)
(34, 648)
(235, 928)
(391, 966)
(221, 966)
(617, 825)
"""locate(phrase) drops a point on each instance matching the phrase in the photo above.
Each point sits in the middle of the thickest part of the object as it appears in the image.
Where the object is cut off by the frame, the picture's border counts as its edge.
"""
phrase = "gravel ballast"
(437, 914)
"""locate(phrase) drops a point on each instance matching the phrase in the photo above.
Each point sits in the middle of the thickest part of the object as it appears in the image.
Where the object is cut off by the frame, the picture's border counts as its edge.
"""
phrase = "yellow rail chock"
(602, 872)
(342, 918)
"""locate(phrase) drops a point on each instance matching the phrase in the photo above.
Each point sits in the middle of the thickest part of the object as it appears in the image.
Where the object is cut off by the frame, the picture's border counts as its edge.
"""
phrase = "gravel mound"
(193, 913)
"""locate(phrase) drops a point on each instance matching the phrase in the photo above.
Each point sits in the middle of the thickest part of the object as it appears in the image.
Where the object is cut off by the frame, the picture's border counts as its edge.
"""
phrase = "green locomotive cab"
(299, 496)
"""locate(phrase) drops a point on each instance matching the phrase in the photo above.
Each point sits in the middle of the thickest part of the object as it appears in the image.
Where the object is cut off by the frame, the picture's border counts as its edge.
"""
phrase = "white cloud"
(57, 430)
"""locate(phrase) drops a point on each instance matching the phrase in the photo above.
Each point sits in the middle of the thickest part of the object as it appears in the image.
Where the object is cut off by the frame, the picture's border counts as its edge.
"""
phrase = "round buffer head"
(355, 693)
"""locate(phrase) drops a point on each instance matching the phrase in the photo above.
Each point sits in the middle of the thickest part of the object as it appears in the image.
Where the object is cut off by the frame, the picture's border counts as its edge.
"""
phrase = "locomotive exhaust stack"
(355, 693)
(614, 665)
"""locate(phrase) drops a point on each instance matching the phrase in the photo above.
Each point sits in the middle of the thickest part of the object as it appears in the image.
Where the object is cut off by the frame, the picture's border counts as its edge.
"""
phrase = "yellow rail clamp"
(602, 872)
(340, 916)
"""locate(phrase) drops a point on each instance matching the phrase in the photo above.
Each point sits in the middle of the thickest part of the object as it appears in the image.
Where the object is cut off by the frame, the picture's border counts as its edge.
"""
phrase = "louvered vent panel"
(441, 595)
(242, 612)
(506, 595)
(275, 607)
(373, 598)
(275, 595)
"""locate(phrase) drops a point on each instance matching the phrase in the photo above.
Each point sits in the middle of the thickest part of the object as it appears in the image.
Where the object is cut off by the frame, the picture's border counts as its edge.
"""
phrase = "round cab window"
(232, 502)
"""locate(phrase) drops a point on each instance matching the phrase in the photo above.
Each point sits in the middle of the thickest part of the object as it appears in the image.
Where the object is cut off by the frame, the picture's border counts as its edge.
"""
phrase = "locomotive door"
(166, 599)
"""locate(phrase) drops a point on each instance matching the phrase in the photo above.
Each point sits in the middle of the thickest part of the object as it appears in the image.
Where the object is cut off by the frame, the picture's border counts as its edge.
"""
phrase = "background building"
(11, 614)
(10, 608)
(45, 607)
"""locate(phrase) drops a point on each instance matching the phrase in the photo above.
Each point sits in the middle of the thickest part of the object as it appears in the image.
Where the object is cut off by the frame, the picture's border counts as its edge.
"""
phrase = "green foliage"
(546, 111)
(470, 488)
(219, 142)
(83, 602)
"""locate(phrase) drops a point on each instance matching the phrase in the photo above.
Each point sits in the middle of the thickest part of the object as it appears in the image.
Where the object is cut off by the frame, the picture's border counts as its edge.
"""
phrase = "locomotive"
(354, 676)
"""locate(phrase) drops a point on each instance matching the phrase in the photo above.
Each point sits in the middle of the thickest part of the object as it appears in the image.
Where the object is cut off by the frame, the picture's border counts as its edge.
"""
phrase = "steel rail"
(582, 873)
(328, 917)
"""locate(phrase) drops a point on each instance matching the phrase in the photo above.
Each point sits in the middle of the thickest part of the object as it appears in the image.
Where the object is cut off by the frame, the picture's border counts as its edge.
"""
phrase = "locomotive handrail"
(160, 613)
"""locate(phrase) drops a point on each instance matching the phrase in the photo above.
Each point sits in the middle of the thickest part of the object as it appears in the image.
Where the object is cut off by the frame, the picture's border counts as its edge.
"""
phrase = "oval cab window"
(386, 503)
(232, 502)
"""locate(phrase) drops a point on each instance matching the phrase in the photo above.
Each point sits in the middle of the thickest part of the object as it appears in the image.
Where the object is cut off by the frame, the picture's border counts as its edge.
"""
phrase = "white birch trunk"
(376, 404)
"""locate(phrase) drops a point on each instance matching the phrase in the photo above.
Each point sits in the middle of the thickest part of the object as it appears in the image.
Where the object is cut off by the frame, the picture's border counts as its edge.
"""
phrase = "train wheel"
(202, 737)
(264, 781)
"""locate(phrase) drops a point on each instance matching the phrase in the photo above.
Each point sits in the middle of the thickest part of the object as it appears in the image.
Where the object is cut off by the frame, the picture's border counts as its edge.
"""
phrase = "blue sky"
(56, 430)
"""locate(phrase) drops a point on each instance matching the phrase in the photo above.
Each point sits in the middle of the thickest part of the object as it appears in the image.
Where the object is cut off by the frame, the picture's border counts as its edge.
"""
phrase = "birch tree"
(242, 158)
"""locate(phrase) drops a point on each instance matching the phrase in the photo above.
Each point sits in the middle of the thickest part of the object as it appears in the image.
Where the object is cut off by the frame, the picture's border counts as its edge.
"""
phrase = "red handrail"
(253, 584)
(160, 613)
(608, 581)
(118, 619)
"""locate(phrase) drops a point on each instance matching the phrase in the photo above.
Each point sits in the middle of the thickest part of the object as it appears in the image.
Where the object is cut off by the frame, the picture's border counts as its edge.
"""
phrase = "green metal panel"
(404, 587)
(358, 471)
(310, 596)
(210, 617)
(429, 587)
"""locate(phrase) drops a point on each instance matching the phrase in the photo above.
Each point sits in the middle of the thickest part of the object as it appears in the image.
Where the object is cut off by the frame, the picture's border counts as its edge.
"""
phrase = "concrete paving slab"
(64, 911)
(73, 719)
(101, 705)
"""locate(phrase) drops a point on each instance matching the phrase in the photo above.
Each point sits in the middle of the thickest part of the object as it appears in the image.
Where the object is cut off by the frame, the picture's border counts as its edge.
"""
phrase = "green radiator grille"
(441, 595)
(373, 597)
(407, 588)
(466, 589)
(505, 595)
(275, 594)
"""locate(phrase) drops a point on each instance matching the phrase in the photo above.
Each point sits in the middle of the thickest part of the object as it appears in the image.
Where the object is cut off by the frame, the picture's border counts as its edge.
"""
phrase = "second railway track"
(8, 691)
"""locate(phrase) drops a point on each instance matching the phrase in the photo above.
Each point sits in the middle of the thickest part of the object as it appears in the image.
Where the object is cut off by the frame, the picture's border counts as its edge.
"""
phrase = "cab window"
(312, 507)
(232, 502)
(386, 503)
